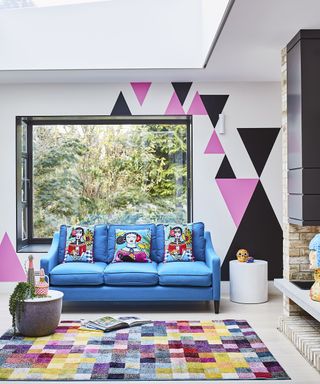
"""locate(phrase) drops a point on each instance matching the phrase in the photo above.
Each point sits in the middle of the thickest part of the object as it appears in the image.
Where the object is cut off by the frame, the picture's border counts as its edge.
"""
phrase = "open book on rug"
(108, 323)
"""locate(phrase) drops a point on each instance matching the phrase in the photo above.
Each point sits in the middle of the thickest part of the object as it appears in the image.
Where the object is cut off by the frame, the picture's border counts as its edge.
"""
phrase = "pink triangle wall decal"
(237, 194)
(174, 107)
(11, 269)
(141, 90)
(214, 145)
(197, 107)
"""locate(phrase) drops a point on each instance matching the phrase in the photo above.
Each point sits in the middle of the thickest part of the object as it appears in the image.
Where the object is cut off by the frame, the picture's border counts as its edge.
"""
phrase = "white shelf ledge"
(300, 296)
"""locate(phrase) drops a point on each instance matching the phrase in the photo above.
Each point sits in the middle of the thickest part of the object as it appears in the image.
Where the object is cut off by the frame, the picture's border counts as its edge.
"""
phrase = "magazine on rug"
(108, 323)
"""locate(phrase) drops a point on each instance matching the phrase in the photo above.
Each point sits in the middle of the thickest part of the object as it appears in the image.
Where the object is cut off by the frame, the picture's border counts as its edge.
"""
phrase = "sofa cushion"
(131, 274)
(178, 243)
(132, 246)
(198, 242)
(78, 274)
(112, 238)
(62, 243)
(79, 244)
(99, 243)
(195, 274)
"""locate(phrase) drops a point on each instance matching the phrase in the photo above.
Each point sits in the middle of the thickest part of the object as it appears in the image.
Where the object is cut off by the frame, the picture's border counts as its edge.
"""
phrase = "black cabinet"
(303, 88)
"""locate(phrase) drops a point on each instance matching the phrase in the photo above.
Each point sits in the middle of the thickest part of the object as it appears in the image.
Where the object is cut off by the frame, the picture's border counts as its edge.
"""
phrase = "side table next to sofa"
(249, 282)
(40, 315)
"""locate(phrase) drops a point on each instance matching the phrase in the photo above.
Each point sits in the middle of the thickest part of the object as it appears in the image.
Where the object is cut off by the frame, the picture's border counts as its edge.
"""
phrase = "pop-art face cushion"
(79, 244)
(178, 242)
(314, 256)
(132, 246)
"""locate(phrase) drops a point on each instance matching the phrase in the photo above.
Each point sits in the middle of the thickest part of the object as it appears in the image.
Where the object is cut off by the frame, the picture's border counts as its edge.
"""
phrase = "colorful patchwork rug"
(163, 350)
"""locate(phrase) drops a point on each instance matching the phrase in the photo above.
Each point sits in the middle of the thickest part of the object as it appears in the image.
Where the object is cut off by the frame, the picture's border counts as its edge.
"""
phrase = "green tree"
(114, 173)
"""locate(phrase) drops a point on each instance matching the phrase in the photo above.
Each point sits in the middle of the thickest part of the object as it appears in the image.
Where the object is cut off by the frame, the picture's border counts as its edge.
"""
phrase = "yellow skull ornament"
(242, 255)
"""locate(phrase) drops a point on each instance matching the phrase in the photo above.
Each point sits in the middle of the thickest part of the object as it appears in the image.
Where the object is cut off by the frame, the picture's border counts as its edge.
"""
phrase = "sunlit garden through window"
(108, 173)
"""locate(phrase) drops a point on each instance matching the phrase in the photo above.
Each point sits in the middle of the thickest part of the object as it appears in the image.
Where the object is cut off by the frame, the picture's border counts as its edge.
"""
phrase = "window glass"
(24, 180)
(24, 219)
(131, 173)
(24, 137)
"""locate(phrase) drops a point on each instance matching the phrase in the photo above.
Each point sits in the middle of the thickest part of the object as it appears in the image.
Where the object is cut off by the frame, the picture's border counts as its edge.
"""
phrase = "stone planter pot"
(40, 316)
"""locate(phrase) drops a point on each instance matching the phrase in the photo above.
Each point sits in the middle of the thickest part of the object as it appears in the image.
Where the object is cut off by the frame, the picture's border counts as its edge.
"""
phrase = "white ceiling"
(248, 48)
(254, 34)
(11, 4)
(109, 34)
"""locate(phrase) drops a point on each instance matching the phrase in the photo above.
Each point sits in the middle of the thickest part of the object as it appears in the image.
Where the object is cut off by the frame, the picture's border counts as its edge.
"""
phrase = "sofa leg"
(216, 306)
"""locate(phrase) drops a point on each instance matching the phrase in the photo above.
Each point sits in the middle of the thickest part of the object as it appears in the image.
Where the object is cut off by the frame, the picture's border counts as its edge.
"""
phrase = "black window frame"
(32, 244)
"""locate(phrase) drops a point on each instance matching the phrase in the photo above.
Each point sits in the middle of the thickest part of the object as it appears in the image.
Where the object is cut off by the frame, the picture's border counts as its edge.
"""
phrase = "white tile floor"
(262, 317)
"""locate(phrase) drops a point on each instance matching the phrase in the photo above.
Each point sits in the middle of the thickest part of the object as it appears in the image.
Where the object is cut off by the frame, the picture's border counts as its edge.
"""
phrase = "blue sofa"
(156, 281)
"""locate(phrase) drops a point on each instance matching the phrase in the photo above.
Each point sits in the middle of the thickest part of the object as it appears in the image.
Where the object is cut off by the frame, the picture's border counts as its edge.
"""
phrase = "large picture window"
(92, 170)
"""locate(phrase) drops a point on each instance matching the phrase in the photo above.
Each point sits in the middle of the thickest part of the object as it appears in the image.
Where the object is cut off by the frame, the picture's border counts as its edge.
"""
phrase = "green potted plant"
(21, 292)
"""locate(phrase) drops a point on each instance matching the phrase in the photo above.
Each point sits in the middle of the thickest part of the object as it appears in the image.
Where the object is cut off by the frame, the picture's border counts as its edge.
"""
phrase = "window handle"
(28, 182)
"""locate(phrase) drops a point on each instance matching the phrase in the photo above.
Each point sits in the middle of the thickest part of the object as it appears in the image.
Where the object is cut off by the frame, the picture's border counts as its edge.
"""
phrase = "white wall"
(249, 105)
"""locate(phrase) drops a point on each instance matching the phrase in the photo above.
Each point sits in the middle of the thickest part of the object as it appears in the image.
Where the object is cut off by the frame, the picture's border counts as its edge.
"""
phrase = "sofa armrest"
(213, 262)
(49, 261)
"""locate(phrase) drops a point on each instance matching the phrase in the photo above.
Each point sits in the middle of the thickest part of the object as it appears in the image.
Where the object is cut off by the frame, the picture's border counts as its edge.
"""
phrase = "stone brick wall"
(295, 238)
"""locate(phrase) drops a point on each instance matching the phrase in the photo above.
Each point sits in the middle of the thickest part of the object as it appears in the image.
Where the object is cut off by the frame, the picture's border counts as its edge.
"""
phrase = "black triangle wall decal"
(121, 107)
(259, 143)
(260, 233)
(214, 105)
(225, 171)
(182, 90)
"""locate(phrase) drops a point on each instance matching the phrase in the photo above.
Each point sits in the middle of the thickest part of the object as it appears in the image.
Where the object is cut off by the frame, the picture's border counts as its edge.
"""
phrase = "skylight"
(6, 4)
(108, 34)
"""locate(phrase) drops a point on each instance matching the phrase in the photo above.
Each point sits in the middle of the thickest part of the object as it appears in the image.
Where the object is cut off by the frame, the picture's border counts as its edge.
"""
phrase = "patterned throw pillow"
(79, 244)
(132, 246)
(178, 242)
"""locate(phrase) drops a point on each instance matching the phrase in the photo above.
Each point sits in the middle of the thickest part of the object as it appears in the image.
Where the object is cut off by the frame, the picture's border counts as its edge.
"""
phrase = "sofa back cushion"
(112, 238)
(62, 243)
(132, 246)
(99, 243)
(178, 243)
(79, 244)
(198, 242)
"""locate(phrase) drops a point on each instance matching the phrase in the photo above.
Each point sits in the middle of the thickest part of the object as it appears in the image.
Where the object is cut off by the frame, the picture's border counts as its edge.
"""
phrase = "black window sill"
(34, 248)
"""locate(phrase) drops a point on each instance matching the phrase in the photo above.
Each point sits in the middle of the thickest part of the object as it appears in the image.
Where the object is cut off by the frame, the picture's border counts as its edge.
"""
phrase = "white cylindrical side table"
(249, 281)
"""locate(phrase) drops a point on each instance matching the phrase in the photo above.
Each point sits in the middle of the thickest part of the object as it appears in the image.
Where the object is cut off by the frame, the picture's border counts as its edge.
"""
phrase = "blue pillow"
(198, 242)
(62, 243)
(99, 243)
(112, 238)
